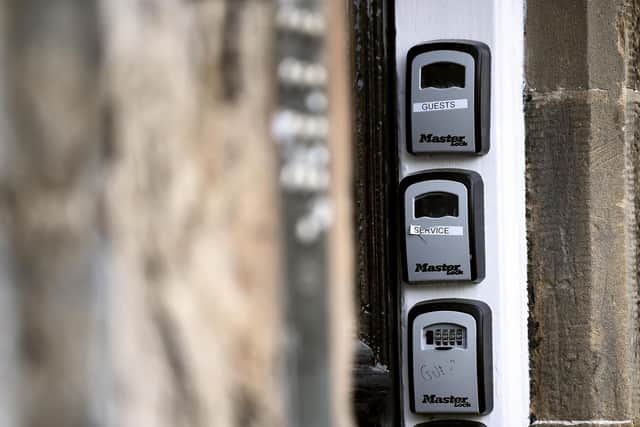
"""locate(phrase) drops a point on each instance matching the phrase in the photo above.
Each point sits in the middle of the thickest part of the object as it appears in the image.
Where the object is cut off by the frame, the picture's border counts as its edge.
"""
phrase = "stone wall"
(582, 198)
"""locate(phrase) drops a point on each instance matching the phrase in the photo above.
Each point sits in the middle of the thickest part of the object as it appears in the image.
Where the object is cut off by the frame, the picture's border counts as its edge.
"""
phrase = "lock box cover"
(448, 87)
(450, 357)
(442, 226)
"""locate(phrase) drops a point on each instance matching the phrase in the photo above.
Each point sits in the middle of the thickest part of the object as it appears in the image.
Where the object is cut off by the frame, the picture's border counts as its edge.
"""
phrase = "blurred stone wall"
(582, 105)
(141, 256)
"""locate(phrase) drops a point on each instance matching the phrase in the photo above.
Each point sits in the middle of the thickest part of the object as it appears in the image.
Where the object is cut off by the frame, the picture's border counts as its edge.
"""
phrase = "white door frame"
(500, 24)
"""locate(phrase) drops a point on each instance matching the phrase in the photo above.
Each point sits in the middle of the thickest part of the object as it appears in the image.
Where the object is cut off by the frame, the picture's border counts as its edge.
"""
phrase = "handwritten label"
(430, 373)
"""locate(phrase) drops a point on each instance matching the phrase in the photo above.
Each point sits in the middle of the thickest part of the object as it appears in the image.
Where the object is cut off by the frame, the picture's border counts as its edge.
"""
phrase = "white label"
(438, 230)
(447, 104)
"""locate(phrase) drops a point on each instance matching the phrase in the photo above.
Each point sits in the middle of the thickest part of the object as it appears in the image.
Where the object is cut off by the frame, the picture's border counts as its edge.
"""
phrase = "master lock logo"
(454, 141)
(450, 269)
(455, 401)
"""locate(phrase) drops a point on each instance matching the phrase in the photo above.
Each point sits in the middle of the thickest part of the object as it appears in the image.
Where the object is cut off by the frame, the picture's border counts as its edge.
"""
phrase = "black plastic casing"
(481, 54)
(481, 312)
(475, 194)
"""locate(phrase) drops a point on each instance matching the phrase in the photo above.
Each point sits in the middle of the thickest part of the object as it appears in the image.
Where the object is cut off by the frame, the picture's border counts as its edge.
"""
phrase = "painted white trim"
(499, 23)
(581, 423)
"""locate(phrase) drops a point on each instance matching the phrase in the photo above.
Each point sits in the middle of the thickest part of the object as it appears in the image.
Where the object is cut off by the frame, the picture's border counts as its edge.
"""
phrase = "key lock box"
(451, 423)
(448, 97)
(442, 226)
(450, 366)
